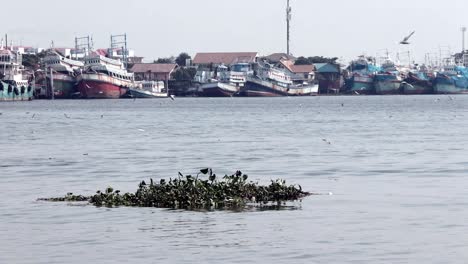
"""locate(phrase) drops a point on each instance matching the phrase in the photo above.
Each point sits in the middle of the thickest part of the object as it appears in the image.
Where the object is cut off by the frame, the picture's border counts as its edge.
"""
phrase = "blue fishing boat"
(388, 81)
(361, 76)
(452, 80)
(417, 82)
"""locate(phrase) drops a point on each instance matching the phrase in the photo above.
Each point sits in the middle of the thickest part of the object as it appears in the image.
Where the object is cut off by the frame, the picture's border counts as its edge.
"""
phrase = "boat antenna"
(288, 20)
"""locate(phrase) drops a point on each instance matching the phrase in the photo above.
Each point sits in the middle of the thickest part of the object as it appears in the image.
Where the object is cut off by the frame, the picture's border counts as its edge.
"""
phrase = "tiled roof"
(102, 52)
(154, 67)
(227, 58)
(288, 64)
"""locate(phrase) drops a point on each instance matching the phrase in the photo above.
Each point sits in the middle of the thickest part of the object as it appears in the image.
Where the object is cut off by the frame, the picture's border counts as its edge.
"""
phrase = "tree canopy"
(181, 60)
(184, 74)
(315, 59)
(32, 61)
(165, 60)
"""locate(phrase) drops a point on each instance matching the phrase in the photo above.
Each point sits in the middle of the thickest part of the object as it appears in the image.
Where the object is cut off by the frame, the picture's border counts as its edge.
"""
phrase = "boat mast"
(288, 20)
(82, 44)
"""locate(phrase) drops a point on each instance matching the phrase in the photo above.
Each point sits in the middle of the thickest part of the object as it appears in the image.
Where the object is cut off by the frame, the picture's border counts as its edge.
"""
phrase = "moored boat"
(417, 82)
(228, 81)
(452, 80)
(388, 81)
(14, 86)
(104, 78)
(61, 75)
(361, 76)
(148, 89)
(272, 82)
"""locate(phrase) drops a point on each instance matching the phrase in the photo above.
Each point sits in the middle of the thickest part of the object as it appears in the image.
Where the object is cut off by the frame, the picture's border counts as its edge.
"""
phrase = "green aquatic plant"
(194, 192)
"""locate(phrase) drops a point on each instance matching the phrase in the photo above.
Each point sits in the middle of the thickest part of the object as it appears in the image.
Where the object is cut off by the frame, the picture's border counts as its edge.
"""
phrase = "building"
(277, 57)
(329, 77)
(210, 60)
(27, 50)
(153, 71)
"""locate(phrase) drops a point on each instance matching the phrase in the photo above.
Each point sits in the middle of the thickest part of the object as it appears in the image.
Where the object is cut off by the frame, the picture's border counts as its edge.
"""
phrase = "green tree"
(181, 60)
(315, 59)
(184, 74)
(302, 61)
(165, 60)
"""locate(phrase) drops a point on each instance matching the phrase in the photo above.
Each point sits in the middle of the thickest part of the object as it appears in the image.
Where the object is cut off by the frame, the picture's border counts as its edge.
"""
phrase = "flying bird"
(405, 40)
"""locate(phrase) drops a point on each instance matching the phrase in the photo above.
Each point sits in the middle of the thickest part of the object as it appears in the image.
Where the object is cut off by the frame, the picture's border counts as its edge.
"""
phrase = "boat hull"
(414, 85)
(219, 90)
(362, 84)
(100, 90)
(387, 87)
(12, 93)
(144, 94)
(387, 84)
(64, 86)
(260, 88)
(416, 88)
(101, 86)
(447, 85)
(442, 88)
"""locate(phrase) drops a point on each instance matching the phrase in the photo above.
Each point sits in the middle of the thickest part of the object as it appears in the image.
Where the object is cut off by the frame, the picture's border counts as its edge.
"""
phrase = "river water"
(396, 166)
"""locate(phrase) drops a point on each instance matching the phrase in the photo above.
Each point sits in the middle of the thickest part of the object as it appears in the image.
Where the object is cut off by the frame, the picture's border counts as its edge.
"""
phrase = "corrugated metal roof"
(327, 68)
(227, 58)
(153, 67)
(277, 57)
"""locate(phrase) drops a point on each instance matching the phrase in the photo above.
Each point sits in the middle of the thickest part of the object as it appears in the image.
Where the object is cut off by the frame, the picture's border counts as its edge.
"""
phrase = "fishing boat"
(418, 82)
(387, 81)
(452, 80)
(227, 81)
(149, 89)
(14, 86)
(361, 76)
(104, 78)
(61, 75)
(269, 81)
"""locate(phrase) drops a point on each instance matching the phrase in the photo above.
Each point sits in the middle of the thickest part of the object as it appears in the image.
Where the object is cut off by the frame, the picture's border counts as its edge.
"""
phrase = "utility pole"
(52, 90)
(288, 20)
(463, 30)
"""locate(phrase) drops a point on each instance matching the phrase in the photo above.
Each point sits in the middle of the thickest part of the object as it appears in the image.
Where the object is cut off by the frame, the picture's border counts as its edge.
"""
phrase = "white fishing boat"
(149, 89)
(14, 86)
(228, 81)
(61, 75)
(104, 78)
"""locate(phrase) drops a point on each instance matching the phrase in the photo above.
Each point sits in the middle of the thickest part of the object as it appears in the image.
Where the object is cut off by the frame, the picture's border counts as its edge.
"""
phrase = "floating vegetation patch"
(203, 191)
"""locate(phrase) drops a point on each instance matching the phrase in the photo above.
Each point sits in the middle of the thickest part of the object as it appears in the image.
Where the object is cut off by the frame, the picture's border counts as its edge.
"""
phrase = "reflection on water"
(395, 164)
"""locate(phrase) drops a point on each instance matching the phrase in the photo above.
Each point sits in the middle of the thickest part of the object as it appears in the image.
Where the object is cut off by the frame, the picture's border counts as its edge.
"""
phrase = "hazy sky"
(158, 28)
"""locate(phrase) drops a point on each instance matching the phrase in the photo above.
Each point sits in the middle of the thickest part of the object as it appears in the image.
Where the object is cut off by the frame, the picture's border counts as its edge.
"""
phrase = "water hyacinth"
(195, 192)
